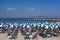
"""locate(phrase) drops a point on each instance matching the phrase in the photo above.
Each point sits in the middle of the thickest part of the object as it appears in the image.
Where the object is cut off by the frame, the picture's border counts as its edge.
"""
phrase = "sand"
(3, 36)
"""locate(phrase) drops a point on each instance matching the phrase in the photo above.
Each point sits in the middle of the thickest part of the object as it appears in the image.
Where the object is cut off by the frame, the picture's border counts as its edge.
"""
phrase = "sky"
(29, 8)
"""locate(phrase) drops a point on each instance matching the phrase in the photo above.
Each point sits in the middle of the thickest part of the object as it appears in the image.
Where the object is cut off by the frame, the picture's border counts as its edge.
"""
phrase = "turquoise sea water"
(25, 20)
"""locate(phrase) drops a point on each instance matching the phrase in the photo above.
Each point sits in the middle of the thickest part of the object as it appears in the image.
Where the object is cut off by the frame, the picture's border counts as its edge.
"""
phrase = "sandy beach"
(3, 36)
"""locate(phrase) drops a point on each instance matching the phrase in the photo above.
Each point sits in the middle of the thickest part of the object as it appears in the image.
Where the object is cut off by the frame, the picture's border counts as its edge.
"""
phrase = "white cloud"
(30, 9)
(10, 9)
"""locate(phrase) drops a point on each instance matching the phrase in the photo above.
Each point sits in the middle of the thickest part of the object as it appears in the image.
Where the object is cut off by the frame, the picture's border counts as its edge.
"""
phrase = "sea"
(28, 20)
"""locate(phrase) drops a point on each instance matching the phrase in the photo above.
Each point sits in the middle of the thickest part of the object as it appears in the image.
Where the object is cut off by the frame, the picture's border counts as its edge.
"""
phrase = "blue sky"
(29, 8)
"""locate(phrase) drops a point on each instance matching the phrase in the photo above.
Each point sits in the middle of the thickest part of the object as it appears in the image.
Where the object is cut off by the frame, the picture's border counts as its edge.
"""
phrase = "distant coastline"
(35, 18)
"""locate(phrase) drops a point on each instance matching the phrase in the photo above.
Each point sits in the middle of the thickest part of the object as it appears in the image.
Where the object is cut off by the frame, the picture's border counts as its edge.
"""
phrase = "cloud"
(30, 9)
(10, 9)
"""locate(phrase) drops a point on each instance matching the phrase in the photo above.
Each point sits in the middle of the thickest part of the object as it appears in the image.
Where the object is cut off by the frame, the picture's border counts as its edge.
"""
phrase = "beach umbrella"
(58, 29)
(59, 26)
(24, 25)
(28, 26)
(6, 26)
(43, 24)
(33, 28)
(34, 25)
(16, 25)
(55, 30)
(1, 28)
(23, 29)
(11, 26)
(46, 27)
(1, 23)
(21, 25)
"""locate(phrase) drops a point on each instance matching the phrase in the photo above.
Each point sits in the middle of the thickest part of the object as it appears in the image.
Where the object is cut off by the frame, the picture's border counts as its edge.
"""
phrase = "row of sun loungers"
(30, 30)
